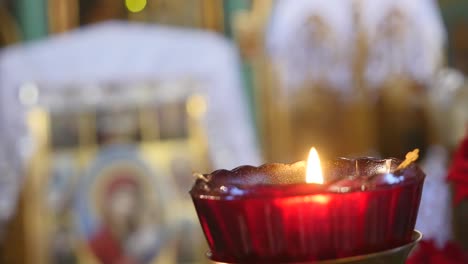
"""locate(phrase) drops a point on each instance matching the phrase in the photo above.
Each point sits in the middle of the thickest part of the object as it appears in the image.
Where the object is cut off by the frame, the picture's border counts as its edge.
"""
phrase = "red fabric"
(458, 173)
(428, 253)
(107, 249)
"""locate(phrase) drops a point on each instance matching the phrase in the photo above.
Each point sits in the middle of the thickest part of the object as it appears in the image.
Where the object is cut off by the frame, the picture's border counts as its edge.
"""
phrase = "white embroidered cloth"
(312, 40)
(118, 51)
(405, 37)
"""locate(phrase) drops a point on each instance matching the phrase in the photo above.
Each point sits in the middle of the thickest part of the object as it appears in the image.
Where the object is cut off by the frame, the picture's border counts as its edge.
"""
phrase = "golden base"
(391, 256)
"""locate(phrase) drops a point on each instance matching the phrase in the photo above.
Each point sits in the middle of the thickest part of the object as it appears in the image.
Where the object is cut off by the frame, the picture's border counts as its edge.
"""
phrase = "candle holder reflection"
(269, 214)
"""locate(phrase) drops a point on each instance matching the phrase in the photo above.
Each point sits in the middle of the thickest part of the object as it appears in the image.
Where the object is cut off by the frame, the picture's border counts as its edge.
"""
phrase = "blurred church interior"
(107, 107)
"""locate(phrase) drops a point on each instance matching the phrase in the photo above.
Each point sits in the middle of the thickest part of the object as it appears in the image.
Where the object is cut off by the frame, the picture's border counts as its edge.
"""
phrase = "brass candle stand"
(396, 255)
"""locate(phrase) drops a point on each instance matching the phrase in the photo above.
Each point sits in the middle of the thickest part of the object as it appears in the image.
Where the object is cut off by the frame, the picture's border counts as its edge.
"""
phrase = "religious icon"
(172, 120)
(181, 170)
(399, 67)
(323, 46)
(191, 14)
(397, 34)
(315, 73)
(63, 246)
(93, 11)
(59, 200)
(64, 130)
(188, 236)
(117, 124)
(9, 32)
(119, 211)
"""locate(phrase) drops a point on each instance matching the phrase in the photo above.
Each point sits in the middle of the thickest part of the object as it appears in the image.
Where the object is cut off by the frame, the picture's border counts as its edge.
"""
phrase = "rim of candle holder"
(226, 184)
(396, 255)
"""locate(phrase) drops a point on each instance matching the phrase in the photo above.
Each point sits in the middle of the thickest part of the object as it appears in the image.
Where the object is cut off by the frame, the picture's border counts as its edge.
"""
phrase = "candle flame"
(314, 170)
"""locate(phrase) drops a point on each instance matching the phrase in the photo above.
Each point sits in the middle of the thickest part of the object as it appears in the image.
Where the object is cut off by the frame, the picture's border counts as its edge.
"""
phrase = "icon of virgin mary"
(118, 212)
(121, 204)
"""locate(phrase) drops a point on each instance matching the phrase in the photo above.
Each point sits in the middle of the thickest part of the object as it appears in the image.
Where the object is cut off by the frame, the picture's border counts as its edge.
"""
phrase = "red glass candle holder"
(268, 214)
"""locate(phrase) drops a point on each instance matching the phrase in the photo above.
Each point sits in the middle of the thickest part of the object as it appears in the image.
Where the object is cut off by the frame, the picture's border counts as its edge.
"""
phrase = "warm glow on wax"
(314, 170)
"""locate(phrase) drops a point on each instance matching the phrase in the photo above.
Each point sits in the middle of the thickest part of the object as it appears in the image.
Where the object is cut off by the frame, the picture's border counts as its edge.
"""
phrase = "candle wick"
(357, 168)
(388, 165)
(410, 157)
(200, 176)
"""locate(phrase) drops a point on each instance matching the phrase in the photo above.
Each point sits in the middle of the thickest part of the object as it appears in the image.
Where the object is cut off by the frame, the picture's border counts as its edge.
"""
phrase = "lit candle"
(314, 169)
(280, 213)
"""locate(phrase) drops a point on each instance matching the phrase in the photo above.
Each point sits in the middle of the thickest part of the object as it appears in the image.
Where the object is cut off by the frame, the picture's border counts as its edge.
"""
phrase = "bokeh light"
(135, 5)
